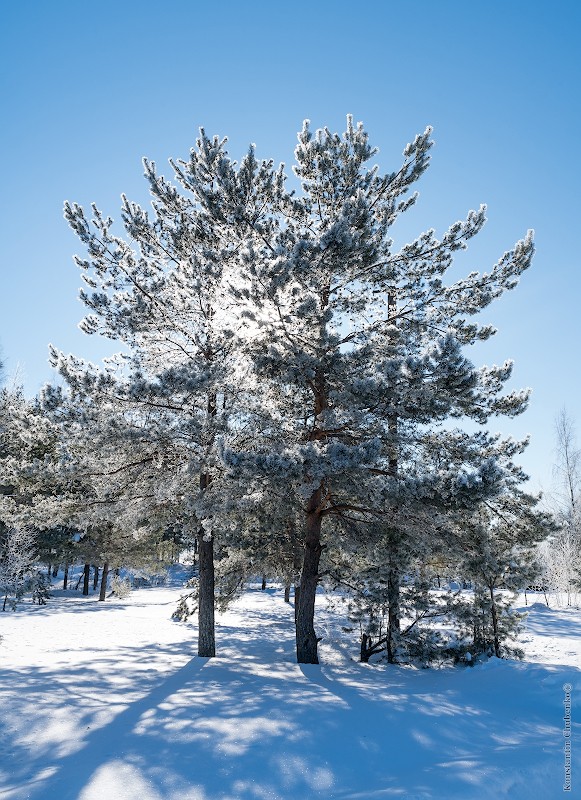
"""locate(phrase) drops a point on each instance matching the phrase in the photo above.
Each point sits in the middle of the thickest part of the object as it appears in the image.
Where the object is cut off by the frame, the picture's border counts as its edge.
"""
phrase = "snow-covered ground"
(107, 701)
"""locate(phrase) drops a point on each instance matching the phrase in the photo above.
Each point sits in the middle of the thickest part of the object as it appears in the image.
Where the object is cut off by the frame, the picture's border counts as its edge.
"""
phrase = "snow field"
(108, 700)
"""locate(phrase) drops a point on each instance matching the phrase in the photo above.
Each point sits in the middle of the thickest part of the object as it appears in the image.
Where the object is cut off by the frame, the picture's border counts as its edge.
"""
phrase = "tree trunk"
(206, 580)
(393, 613)
(494, 615)
(306, 639)
(479, 634)
(103, 591)
(263, 585)
(287, 593)
(297, 564)
(95, 577)
(297, 594)
(66, 576)
(86, 575)
(393, 576)
(206, 628)
(364, 650)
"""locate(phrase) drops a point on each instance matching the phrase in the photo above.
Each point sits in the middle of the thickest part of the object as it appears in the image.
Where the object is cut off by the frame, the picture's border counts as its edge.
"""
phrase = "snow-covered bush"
(16, 564)
(120, 587)
(38, 586)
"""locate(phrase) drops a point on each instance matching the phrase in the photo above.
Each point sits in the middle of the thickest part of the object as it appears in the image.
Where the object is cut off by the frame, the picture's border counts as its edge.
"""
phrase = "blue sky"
(88, 89)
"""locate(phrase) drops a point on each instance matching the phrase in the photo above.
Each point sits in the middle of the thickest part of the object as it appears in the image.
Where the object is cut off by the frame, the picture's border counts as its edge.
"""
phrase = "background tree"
(567, 468)
(17, 564)
(561, 554)
(498, 551)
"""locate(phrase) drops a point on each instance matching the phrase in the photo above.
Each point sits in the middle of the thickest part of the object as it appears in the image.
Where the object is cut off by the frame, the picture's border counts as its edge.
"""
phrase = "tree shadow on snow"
(251, 724)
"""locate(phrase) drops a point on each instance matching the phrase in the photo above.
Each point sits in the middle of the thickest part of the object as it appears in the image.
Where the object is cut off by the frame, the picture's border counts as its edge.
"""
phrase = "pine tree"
(28, 455)
(358, 350)
(162, 295)
(497, 548)
(17, 564)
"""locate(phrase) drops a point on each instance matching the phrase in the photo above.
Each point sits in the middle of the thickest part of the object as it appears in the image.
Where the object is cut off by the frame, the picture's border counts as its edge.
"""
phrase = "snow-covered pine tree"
(17, 564)
(161, 293)
(496, 547)
(26, 439)
(358, 351)
(28, 454)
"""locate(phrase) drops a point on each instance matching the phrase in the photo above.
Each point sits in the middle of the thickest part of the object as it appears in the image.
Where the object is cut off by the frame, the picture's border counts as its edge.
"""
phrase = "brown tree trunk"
(103, 590)
(86, 575)
(206, 580)
(306, 639)
(206, 627)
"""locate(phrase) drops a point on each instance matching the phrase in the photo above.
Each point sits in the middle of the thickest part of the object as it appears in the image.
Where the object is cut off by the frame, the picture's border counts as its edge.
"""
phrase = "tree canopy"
(288, 381)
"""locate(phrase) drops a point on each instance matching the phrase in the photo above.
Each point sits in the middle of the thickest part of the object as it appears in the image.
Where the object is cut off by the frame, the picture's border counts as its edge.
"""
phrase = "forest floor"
(108, 700)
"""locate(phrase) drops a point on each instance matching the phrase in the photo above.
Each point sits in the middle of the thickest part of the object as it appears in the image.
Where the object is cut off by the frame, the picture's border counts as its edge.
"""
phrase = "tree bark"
(306, 639)
(393, 612)
(103, 590)
(287, 593)
(494, 615)
(66, 576)
(206, 580)
(364, 650)
(86, 575)
(95, 577)
(206, 627)
(297, 565)
(297, 596)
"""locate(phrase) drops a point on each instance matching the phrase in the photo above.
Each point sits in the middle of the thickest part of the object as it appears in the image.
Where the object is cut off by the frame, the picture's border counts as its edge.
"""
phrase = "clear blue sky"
(87, 89)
